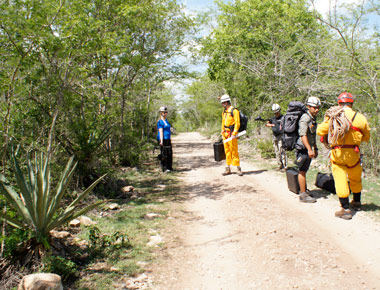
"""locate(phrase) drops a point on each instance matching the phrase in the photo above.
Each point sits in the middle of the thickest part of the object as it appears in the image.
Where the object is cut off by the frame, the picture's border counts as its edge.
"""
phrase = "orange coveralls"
(231, 147)
(345, 162)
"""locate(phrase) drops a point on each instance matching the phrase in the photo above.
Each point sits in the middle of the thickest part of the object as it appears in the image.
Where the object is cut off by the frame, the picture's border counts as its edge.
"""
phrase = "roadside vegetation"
(80, 85)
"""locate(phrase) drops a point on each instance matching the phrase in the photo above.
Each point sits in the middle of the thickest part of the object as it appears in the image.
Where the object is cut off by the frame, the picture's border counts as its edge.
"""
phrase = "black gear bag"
(326, 182)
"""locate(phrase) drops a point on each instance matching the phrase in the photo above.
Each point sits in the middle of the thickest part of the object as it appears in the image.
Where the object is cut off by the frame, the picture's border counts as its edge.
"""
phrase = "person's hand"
(311, 153)
(234, 136)
(161, 143)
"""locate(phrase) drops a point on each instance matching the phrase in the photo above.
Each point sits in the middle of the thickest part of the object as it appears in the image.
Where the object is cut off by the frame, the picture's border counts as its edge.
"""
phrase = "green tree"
(259, 48)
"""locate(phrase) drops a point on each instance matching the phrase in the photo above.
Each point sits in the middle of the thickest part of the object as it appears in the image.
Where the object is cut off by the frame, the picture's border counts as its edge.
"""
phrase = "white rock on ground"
(41, 281)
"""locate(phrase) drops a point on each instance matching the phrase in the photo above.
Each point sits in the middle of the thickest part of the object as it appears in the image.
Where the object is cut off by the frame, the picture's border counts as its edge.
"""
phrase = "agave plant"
(40, 208)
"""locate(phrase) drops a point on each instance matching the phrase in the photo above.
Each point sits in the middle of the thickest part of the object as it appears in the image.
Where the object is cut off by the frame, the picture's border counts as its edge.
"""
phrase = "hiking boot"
(356, 205)
(227, 171)
(345, 214)
(239, 172)
(304, 197)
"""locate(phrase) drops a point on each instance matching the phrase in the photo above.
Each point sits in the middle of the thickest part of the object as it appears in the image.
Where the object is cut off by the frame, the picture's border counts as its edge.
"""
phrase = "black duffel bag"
(325, 181)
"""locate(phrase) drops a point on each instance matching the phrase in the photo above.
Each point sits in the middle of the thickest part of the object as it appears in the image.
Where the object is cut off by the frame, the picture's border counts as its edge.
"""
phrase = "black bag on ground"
(290, 124)
(326, 182)
(292, 179)
(219, 153)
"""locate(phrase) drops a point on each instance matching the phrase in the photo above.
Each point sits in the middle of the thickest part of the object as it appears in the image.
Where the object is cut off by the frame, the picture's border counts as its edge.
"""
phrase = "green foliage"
(66, 268)
(100, 242)
(94, 66)
(266, 148)
(202, 109)
(13, 238)
(39, 207)
(257, 49)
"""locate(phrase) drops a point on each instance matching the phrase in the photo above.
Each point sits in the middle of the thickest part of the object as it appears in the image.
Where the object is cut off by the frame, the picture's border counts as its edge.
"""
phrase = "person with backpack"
(343, 130)
(306, 146)
(164, 140)
(275, 124)
(230, 129)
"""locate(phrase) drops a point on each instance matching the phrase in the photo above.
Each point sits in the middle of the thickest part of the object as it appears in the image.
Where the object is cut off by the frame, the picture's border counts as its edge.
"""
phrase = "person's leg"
(276, 146)
(355, 179)
(228, 151)
(163, 158)
(342, 190)
(234, 152)
(302, 180)
(235, 156)
(303, 194)
(169, 153)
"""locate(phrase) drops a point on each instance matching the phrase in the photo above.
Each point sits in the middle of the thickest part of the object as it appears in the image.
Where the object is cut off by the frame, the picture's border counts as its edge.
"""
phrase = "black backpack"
(243, 120)
(289, 125)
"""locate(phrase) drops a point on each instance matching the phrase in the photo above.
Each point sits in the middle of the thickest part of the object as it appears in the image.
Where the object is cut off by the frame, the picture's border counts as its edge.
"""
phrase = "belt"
(356, 147)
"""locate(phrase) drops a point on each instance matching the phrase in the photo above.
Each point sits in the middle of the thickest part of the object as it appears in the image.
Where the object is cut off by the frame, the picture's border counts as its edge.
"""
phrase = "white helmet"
(276, 108)
(163, 109)
(225, 98)
(313, 102)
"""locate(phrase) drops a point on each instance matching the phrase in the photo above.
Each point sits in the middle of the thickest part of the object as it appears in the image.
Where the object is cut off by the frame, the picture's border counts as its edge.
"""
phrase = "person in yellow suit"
(230, 128)
(345, 154)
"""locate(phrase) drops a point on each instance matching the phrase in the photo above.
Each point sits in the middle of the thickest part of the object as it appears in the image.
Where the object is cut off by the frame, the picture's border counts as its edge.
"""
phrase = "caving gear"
(163, 109)
(276, 108)
(313, 102)
(345, 98)
(306, 198)
(225, 98)
(343, 213)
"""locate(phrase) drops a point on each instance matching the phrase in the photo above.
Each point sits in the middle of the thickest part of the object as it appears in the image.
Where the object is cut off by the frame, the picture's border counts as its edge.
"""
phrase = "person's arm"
(269, 124)
(222, 131)
(323, 128)
(366, 131)
(303, 128)
(310, 151)
(160, 132)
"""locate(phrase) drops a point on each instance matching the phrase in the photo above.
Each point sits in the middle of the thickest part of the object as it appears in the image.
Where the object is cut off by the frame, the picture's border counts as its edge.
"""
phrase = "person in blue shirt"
(164, 139)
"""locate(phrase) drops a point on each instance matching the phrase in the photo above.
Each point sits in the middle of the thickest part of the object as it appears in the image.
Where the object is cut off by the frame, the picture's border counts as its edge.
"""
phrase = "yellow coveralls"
(345, 162)
(231, 147)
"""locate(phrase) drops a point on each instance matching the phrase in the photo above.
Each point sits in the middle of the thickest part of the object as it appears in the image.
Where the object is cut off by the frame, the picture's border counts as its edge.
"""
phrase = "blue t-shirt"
(165, 125)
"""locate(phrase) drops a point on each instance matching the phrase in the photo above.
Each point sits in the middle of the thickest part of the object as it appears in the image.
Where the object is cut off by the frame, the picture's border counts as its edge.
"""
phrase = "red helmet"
(345, 98)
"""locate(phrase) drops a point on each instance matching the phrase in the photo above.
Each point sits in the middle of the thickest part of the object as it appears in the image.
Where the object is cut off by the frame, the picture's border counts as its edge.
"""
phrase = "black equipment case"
(292, 179)
(326, 182)
(219, 153)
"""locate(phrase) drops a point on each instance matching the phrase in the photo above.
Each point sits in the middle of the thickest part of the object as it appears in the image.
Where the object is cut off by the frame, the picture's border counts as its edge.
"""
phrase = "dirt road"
(250, 232)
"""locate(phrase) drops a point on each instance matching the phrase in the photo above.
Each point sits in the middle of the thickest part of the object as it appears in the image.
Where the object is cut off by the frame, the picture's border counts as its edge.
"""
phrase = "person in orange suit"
(230, 128)
(345, 156)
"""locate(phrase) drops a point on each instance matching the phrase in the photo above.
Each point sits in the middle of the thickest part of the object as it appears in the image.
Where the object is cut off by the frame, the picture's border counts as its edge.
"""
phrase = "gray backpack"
(289, 126)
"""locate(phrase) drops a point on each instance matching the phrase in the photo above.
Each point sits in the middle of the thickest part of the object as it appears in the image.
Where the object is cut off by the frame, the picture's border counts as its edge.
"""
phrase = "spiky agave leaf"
(12, 221)
(36, 204)
(72, 214)
(26, 189)
(14, 199)
(63, 183)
